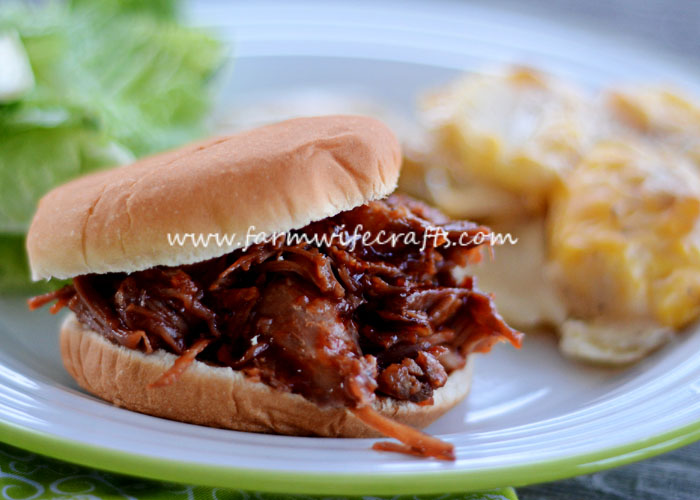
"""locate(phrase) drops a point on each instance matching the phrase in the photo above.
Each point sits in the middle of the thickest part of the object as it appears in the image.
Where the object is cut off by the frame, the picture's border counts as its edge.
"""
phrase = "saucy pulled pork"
(335, 322)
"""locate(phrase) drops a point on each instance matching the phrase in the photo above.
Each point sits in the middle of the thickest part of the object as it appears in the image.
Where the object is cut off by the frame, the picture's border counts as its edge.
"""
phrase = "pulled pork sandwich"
(315, 329)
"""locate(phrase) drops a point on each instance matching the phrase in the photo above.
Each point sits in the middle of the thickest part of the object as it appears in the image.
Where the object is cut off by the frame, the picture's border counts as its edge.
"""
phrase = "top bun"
(274, 178)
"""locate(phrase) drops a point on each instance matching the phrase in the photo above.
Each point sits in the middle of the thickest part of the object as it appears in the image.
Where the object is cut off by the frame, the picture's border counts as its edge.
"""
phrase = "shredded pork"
(334, 323)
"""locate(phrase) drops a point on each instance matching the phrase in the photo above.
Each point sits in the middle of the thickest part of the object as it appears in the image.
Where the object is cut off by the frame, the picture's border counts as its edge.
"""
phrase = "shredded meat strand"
(61, 296)
(181, 364)
(417, 442)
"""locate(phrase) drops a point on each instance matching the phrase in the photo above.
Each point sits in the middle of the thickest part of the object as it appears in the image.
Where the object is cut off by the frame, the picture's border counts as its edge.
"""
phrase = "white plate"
(532, 415)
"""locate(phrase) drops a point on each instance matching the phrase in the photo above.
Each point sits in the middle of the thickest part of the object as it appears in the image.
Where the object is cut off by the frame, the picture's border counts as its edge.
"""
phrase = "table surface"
(672, 476)
(674, 26)
(671, 25)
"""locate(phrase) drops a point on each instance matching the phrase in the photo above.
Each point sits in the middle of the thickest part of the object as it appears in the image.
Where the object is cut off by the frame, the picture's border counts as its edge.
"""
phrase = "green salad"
(93, 84)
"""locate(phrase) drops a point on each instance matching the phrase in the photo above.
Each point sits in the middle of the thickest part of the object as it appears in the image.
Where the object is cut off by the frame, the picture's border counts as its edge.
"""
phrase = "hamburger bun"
(222, 397)
(275, 179)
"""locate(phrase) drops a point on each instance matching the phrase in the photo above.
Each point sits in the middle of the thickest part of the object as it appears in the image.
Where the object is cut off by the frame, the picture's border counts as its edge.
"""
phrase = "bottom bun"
(222, 397)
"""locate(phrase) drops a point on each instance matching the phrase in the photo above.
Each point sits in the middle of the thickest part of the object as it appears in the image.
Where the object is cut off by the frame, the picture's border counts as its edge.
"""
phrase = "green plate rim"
(318, 483)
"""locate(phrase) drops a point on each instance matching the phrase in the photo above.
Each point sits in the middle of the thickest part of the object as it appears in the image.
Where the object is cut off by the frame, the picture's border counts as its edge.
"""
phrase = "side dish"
(602, 190)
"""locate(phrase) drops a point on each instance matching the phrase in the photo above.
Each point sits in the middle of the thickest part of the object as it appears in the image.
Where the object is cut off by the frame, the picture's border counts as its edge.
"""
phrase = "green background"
(26, 475)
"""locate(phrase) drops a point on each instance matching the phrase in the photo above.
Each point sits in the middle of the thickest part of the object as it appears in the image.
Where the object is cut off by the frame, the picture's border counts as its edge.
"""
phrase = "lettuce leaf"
(14, 269)
(114, 80)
